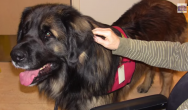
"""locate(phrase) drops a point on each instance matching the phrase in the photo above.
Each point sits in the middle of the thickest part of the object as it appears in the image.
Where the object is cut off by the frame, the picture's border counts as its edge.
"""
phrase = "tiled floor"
(14, 96)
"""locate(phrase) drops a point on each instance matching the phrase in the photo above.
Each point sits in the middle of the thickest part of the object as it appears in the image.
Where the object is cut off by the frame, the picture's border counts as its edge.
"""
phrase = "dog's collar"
(125, 71)
(123, 35)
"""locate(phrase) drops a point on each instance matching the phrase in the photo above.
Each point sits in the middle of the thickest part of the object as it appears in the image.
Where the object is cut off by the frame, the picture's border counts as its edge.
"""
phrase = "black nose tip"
(18, 55)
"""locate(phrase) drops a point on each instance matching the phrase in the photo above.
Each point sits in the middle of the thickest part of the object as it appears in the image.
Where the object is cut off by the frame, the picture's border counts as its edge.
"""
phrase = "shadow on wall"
(7, 42)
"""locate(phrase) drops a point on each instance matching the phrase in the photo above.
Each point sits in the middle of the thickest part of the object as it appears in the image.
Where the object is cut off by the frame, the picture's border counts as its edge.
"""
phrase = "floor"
(17, 97)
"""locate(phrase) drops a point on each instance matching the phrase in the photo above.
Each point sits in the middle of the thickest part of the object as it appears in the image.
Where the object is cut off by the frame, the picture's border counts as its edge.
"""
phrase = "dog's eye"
(48, 34)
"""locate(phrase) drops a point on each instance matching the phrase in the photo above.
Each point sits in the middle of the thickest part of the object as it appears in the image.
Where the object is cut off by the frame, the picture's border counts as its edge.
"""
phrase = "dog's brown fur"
(159, 32)
(83, 71)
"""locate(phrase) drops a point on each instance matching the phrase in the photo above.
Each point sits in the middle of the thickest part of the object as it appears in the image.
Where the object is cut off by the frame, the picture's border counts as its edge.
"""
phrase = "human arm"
(164, 54)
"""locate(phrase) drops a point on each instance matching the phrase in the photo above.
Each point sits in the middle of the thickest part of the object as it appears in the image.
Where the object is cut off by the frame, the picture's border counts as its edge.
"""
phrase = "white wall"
(106, 11)
(177, 1)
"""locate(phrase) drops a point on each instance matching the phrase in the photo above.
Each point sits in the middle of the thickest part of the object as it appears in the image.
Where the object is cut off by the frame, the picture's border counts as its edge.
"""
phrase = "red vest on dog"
(125, 70)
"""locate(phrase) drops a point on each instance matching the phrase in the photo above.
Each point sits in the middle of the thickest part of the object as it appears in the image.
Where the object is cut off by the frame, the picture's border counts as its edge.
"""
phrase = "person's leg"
(178, 94)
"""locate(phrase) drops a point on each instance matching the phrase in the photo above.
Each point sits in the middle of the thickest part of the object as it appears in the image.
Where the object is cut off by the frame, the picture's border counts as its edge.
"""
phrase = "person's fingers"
(111, 40)
(102, 31)
(99, 40)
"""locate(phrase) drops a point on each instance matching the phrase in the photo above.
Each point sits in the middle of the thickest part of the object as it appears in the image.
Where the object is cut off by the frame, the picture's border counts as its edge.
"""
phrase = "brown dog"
(57, 50)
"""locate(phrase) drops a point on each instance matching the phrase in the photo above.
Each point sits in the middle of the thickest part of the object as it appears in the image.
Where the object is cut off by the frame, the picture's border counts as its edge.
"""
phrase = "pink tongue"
(27, 77)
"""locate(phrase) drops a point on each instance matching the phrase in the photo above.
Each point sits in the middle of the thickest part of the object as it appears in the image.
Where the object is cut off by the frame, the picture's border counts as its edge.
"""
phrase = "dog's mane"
(95, 64)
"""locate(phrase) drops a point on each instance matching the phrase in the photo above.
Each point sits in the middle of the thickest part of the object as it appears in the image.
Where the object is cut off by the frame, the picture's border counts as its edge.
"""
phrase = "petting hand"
(111, 40)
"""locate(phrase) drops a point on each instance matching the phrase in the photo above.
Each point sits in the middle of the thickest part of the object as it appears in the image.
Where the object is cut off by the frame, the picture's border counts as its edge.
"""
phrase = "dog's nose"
(18, 55)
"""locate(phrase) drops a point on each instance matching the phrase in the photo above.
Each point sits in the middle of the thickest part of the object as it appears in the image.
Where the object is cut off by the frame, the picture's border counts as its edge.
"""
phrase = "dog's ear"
(20, 28)
(79, 33)
(72, 19)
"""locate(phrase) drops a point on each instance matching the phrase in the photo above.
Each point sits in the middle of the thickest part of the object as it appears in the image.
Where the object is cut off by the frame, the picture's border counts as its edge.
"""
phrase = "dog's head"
(49, 36)
(57, 41)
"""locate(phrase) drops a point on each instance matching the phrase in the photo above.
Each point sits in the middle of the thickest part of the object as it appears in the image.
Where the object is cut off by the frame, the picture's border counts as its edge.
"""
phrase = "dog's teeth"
(42, 68)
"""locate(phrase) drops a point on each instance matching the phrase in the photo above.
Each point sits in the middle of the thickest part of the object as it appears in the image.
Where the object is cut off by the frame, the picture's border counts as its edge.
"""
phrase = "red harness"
(125, 70)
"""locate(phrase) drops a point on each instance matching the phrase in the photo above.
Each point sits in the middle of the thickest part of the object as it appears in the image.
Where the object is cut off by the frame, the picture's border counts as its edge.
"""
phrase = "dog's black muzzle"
(18, 55)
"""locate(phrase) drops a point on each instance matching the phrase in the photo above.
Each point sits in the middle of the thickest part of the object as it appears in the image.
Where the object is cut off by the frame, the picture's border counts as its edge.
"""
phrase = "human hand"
(111, 40)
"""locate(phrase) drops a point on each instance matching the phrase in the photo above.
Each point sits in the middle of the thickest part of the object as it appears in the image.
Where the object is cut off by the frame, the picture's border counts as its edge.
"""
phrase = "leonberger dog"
(56, 48)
